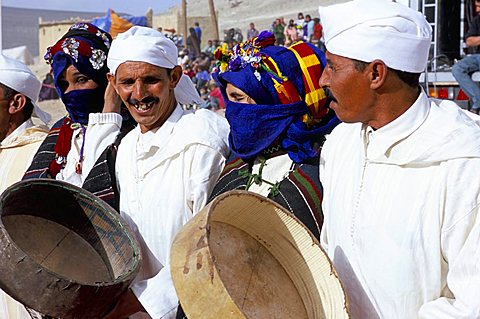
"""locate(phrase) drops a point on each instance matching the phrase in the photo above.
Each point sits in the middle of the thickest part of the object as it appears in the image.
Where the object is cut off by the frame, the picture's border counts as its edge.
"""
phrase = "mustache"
(145, 100)
(329, 95)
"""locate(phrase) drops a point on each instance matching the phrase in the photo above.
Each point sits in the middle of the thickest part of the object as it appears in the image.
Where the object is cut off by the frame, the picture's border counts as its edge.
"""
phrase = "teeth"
(143, 106)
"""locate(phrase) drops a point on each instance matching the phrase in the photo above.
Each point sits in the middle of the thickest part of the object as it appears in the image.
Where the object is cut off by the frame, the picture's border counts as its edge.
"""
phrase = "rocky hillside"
(239, 13)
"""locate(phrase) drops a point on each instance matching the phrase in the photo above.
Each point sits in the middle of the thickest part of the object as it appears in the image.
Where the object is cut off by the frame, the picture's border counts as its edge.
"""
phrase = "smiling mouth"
(143, 107)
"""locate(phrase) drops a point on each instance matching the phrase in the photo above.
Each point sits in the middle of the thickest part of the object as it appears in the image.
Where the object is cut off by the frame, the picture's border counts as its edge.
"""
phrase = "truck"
(450, 20)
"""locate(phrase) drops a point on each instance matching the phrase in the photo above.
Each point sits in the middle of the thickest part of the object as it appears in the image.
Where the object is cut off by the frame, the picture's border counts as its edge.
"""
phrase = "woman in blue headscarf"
(278, 116)
(79, 67)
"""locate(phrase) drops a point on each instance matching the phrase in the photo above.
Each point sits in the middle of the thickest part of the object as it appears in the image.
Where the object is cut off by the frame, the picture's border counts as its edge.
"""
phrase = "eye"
(82, 79)
(151, 80)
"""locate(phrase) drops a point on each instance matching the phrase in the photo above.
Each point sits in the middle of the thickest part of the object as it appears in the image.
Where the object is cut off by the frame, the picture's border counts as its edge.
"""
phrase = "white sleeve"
(323, 231)
(206, 166)
(461, 249)
(101, 132)
(203, 167)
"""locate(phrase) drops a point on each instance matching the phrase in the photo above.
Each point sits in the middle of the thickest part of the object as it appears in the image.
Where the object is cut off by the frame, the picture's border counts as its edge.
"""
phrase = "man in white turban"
(19, 136)
(19, 140)
(166, 167)
(401, 191)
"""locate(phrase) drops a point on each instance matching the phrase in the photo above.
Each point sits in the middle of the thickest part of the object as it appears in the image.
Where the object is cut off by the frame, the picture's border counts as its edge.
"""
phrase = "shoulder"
(345, 130)
(450, 116)
(343, 135)
(203, 127)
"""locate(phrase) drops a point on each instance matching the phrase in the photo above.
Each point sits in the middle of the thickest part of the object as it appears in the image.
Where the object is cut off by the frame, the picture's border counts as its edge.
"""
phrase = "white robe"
(164, 177)
(16, 154)
(401, 213)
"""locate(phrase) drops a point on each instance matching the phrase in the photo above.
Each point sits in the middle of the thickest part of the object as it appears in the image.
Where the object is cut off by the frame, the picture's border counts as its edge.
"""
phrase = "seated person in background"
(202, 63)
(463, 69)
(278, 118)
(209, 48)
(183, 60)
(79, 64)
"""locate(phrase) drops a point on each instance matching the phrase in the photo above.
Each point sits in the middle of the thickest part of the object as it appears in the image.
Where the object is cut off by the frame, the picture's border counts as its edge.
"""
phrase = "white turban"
(142, 44)
(20, 78)
(366, 30)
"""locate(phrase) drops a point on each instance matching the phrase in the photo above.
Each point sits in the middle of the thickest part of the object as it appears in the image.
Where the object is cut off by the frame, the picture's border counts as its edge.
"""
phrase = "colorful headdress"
(291, 109)
(86, 47)
(277, 70)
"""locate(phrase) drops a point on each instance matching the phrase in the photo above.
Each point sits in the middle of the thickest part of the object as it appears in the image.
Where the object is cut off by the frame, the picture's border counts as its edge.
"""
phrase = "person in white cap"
(19, 140)
(166, 167)
(401, 195)
(19, 136)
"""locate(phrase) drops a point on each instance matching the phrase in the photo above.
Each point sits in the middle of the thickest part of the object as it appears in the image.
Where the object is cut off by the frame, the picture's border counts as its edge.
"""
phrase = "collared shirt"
(401, 213)
(17, 151)
(164, 177)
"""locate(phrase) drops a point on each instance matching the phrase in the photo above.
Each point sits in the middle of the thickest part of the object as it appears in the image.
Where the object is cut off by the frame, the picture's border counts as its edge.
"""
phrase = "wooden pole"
(214, 21)
(184, 22)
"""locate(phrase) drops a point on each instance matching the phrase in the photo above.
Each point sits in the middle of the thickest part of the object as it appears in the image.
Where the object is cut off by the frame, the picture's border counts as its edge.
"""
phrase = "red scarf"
(62, 147)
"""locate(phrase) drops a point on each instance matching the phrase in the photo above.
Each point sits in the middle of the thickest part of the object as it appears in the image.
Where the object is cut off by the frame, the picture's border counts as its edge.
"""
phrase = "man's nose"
(138, 90)
(324, 80)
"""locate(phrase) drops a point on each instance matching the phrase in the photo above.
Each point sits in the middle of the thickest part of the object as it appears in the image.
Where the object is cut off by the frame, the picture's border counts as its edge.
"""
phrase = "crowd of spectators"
(199, 62)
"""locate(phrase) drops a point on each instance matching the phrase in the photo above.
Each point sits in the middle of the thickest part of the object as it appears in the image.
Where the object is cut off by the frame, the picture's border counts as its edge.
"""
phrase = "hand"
(127, 304)
(112, 100)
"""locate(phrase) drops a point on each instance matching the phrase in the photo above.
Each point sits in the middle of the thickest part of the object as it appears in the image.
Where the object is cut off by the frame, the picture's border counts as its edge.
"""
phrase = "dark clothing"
(473, 31)
(300, 191)
(252, 33)
(100, 180)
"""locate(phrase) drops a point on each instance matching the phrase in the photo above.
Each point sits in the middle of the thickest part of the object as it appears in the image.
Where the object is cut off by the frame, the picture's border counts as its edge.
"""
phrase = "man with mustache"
(401, 194)
(166, 167)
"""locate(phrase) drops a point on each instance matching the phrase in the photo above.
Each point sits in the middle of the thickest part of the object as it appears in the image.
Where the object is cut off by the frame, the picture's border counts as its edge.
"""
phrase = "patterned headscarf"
(86, 47)
(290, 104)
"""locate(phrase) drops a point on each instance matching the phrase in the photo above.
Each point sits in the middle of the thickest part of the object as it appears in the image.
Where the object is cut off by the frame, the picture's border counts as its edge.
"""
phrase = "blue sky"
(133, 7)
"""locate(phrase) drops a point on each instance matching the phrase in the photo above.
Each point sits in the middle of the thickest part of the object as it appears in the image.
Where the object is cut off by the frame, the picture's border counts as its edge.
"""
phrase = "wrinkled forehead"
(139, 69)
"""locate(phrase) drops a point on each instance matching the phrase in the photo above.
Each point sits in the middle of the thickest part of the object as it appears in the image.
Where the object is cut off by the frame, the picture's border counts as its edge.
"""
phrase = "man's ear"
(175, 76)
(111, 80)
(378, 73)
(16, 103)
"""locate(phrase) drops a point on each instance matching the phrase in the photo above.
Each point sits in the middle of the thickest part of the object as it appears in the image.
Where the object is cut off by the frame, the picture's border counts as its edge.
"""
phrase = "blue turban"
(290, 106)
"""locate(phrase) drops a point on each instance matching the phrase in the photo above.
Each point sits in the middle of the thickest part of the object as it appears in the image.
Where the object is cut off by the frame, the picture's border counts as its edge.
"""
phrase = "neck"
(13, 124)
(392, 105)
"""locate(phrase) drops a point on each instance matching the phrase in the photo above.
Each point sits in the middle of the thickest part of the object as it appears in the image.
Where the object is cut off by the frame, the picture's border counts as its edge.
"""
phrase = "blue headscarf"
(85, 47)
(296, 119)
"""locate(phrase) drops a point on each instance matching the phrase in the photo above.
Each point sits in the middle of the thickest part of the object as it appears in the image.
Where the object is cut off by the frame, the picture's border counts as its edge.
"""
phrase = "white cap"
(20, 78)
(142, 44)
(366, 30)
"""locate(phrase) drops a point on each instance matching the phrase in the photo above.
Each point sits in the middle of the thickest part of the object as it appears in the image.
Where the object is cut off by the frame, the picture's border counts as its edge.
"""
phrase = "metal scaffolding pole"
(1, 22)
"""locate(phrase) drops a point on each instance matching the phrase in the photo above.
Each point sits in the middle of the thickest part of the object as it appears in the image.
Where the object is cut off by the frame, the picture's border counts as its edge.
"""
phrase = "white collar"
(380, 141)
(19, 130)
